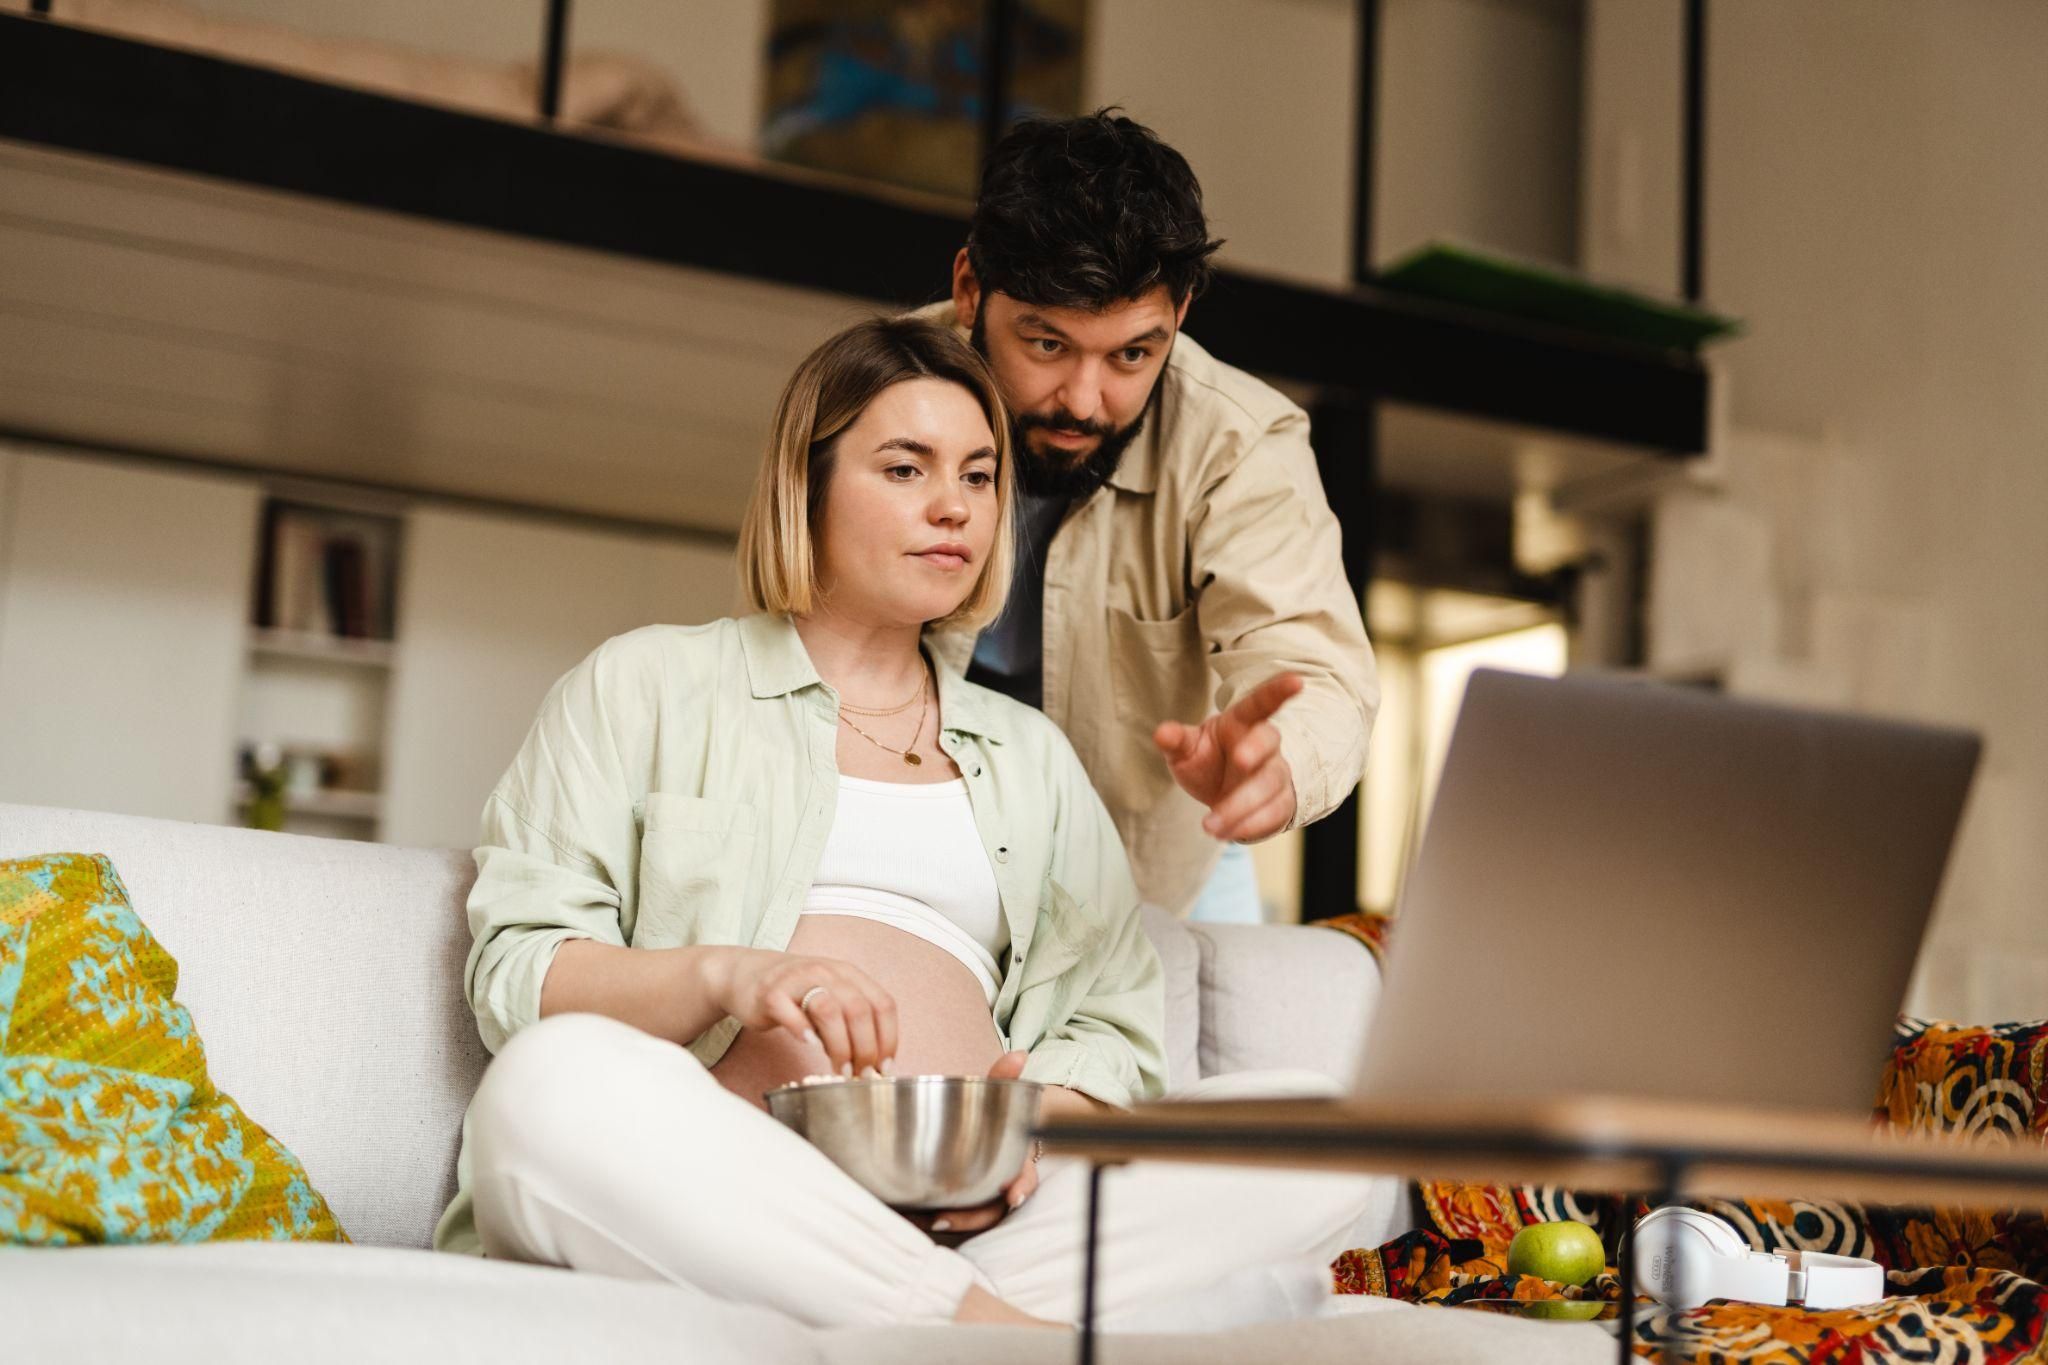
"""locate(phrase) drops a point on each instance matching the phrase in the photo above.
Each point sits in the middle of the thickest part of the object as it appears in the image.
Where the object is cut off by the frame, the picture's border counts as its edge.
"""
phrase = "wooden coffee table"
(1665, 1149)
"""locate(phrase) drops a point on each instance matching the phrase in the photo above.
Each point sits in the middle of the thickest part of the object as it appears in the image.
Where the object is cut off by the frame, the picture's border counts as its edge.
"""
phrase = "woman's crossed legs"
(599, 1147)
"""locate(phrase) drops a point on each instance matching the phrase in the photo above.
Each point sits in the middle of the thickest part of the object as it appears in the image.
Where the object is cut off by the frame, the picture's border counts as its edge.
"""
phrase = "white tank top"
(908, 855)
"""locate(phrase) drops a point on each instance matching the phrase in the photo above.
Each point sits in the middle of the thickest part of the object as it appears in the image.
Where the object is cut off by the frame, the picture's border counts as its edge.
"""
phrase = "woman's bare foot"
(981, 1306)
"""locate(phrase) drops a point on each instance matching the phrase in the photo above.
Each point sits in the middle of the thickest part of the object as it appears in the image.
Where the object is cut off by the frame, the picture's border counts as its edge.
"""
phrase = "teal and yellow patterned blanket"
(110, 1130)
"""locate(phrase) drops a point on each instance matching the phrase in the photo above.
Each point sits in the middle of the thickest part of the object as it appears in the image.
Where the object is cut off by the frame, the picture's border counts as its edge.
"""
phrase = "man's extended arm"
(1267, 560)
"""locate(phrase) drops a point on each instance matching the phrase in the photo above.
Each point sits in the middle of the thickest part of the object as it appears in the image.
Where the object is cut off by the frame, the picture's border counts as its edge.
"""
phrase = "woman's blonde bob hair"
(826, 395)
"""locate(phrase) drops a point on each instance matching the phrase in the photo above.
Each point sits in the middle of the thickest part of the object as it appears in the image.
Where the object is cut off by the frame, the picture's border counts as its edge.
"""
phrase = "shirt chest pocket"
(696, 855)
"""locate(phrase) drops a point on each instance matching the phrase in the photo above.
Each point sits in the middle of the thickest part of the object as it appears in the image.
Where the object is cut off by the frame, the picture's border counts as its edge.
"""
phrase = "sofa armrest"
(1283, 996)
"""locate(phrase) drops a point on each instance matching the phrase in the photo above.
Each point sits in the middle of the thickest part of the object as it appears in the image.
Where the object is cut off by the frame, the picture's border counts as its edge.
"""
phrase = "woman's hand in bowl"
(822, 1000)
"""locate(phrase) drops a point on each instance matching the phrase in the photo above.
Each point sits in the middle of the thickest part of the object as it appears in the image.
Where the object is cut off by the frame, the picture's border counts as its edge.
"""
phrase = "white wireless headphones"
(1684, 1257)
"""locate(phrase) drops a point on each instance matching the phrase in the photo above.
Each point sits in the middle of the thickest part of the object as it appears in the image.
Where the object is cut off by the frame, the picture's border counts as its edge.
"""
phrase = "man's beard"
(1049, 476)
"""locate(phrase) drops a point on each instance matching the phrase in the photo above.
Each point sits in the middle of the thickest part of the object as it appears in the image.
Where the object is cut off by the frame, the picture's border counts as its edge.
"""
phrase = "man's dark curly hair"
(1087, 212)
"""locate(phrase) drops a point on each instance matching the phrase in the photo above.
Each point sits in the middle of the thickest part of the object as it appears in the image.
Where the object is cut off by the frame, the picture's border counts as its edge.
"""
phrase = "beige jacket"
(1208, 563)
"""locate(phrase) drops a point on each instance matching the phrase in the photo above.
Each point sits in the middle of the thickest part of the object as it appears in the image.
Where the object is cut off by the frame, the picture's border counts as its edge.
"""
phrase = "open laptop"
(1644, 890)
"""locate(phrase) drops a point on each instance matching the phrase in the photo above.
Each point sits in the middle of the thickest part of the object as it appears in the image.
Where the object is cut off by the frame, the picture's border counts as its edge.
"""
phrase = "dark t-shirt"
(1009, 656)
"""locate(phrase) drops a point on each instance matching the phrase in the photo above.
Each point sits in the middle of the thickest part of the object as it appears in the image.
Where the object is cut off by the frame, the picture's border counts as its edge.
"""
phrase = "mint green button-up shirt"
(678, 787)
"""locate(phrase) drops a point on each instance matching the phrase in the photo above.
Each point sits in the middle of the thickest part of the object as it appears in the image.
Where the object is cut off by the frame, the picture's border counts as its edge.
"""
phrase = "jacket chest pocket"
(1158, 669)
(695, 857)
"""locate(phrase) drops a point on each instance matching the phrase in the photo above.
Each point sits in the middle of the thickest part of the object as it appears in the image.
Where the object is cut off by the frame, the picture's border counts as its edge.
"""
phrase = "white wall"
(1479, 126)
(496, 30)
(1259, 98)
(124, 641)
(494, 610)
(1478, 109)
(10, 503)
(713, 48)
(1873, 211)
(1629, 229)
(123, 599)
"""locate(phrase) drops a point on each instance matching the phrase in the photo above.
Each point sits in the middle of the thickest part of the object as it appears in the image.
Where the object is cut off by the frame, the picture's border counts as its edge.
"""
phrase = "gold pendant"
(912, 759)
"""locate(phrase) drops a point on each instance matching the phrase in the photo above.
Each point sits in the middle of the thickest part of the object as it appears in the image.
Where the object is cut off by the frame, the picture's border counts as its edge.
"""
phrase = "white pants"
(599, 1147)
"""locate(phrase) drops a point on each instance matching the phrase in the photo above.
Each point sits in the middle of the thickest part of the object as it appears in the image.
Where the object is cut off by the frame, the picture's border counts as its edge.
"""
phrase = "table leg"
(1088, 1264)
(1668, 1175)
(1626, 1255)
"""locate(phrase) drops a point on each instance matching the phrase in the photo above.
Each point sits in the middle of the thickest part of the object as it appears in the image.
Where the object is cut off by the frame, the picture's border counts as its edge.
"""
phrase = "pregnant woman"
(731, 856)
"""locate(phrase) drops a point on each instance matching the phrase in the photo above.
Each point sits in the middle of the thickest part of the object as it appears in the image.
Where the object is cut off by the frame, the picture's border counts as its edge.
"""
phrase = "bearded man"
(1180, 607)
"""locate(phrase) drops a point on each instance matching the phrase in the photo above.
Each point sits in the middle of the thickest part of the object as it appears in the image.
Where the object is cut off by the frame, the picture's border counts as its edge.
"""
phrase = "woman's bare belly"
(943, 1025)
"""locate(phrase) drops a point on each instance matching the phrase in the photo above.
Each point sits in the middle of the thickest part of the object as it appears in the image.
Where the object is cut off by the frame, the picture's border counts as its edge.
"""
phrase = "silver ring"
(804, 1004)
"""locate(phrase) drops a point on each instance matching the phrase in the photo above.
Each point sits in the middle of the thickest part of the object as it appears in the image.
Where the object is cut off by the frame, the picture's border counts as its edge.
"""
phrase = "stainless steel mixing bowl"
(917, 1142)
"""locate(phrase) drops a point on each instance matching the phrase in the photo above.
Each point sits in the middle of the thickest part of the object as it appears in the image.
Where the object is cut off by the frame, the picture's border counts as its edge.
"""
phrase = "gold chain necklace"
(905, 754)
(896, 710)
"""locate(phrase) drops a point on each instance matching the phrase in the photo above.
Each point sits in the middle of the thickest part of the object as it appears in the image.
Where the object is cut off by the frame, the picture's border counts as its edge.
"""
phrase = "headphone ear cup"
(1680, 1255)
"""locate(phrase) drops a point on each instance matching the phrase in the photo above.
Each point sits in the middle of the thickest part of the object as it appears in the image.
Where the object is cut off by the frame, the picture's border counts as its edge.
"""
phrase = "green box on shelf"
(1538, 293)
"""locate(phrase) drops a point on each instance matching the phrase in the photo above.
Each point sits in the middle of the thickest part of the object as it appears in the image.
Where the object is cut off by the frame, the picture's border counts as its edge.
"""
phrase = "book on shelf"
(326, 572)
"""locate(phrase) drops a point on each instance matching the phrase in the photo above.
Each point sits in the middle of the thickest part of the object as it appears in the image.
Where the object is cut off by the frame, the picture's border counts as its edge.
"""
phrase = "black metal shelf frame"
(1347, 424)
(83, 91)
(70, 88)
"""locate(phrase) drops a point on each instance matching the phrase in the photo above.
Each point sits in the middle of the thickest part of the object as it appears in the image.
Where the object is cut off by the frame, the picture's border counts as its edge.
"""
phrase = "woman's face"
(910, 506)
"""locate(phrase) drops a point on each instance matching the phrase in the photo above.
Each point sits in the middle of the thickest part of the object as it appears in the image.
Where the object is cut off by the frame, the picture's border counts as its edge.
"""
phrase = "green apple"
(1565, 1252)
(1567, 1310)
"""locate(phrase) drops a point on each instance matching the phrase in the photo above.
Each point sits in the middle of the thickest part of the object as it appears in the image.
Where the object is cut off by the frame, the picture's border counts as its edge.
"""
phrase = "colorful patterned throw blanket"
(1966, 1285)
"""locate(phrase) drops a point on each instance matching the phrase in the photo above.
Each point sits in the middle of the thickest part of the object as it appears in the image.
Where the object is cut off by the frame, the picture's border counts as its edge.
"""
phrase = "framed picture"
(892, 90)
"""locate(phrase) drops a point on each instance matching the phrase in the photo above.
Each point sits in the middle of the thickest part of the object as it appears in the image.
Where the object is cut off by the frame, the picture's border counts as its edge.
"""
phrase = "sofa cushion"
(314, 1304)
(110, 1128)
(326, 978)
(336, 1305)
(1317, 1021)
(1181, 959)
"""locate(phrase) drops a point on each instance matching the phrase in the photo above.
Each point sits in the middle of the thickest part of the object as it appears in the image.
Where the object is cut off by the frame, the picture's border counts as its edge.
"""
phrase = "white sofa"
(325, 977)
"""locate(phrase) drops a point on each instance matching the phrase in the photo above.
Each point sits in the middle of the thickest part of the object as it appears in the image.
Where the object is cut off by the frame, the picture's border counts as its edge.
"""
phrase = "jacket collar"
(1138, 470)
(778, 664)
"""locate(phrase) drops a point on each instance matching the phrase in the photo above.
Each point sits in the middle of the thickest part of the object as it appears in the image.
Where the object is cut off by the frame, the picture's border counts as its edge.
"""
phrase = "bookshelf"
(321, 645)
(324, 803)
(304, 645)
